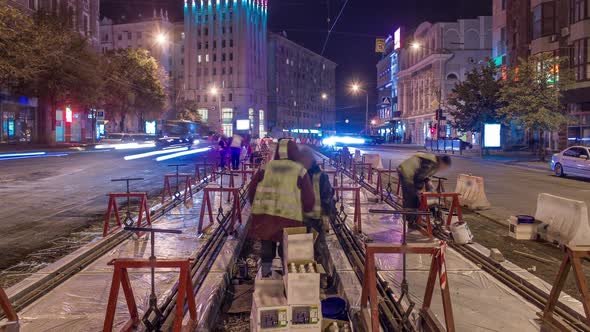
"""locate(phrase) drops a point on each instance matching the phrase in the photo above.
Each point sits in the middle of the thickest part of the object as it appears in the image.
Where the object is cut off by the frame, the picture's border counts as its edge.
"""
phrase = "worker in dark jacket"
(324, 193)
(414, 172)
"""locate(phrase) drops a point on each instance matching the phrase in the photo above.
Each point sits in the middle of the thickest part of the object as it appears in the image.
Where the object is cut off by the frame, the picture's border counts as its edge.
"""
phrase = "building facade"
(22, 119)
(558, 27)
(158, 36)
(441, 55)
(225, 54)
(389, 124)
(301, 88)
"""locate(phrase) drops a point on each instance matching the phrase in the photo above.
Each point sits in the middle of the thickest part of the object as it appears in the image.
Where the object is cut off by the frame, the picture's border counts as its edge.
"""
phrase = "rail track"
(203, 260)
(390, 312)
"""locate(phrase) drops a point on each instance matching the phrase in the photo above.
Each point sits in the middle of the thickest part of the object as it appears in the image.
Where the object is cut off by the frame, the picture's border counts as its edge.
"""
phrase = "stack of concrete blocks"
(290, 303)
(302, 280)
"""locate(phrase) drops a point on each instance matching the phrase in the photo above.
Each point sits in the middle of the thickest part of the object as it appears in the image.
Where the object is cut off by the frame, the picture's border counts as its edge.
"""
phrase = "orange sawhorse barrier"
(212, 167)
(121, 278)
(8, 309)
(356, 191)
(112, 207)
(244, 173)
(248, 165)
(455, 207)
(437, 267)
(236, 208)
(572, 257)
(367, 166)
(389, 172)
(186, 178)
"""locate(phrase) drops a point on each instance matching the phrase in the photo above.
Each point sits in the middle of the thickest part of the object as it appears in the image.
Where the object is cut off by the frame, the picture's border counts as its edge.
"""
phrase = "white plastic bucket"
(461, 232)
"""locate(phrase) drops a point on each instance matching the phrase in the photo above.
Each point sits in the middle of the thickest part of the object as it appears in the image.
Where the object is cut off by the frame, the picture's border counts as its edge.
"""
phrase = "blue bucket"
(334, 308)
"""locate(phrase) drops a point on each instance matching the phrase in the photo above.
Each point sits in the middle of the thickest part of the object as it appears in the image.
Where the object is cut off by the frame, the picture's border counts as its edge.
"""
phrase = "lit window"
(203, 113)
(199, 59)
(206, 57)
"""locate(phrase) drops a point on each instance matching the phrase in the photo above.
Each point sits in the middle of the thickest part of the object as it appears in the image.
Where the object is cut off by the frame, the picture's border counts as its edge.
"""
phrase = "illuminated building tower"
(225, 62)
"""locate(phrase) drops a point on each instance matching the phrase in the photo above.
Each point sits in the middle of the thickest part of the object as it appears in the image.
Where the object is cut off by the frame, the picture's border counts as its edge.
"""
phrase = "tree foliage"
(134, 84)
(532, 94)
(188, 110)
(476, 100)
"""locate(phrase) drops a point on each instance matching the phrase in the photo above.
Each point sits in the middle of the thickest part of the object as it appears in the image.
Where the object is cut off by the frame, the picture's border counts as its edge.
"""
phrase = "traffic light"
(439, 114)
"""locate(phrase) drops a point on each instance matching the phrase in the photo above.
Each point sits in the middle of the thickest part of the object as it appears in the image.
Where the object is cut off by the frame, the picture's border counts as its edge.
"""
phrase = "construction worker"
(324, 193)
(413, 174)
(280, 192)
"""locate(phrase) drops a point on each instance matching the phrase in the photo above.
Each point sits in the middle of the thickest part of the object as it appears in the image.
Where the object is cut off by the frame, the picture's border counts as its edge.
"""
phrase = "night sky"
(352, 42)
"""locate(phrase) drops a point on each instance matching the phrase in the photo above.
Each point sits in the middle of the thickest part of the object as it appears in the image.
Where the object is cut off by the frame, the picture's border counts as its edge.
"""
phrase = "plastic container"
(334, 308)
(524, 219)
(461, 233)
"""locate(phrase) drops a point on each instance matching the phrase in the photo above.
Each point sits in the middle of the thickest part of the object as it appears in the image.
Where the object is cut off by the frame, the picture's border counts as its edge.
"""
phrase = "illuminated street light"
(356, 88)
(346, 121)
(373, 122)
(324, 96)
(214, 91)
(161, 38)
(416, 45)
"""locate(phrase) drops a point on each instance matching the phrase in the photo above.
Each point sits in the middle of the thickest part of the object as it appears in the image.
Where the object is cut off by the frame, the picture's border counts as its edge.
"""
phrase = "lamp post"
(215, 93)
(325, 99)
(356, 88)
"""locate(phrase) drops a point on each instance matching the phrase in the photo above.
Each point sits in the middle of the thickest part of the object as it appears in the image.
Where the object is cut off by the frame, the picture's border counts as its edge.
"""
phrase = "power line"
(332, 28)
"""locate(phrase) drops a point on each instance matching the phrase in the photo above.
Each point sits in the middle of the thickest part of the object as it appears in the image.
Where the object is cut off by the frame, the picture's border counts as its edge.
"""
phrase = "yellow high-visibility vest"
(316, 213)
(278, 194)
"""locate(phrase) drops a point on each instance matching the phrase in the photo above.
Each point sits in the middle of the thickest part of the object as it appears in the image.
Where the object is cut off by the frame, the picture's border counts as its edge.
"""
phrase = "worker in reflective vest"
(324, 193)
(280, 192)
(412, 174)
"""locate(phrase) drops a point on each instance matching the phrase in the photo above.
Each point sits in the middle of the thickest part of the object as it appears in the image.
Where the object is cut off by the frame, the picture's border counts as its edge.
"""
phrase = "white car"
(572, 161)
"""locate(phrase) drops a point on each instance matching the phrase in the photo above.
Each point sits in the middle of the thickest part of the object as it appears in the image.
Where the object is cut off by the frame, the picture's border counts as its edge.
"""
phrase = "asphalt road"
(45, 198)
(510, 189)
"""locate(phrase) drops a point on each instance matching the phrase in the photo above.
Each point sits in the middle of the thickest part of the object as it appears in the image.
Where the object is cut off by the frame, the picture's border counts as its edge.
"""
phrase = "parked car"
(574, 161)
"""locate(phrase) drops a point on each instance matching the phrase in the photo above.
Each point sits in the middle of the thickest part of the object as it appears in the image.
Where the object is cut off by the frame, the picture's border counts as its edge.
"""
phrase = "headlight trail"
(180, 154)
(154, 153)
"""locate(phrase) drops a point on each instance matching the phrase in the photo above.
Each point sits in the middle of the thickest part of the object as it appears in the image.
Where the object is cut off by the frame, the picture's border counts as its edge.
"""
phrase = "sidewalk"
(5, 148)
(521, 159)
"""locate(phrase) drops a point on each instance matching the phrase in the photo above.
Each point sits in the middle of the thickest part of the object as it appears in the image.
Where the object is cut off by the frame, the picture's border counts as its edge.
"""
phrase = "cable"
(332, 28)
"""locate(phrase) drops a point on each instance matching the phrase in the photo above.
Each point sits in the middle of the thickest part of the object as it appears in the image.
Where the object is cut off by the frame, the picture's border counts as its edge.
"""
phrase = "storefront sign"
(380, 45)
(397, 39)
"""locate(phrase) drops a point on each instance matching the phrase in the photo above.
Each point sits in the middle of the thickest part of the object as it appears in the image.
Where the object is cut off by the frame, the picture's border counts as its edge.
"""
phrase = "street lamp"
(324, 96)
(215, 93)
(161, 38)
(356, 88)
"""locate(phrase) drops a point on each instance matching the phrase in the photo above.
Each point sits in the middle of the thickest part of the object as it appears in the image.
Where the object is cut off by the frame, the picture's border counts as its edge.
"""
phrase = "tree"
(188, 110)
(476, 100)
(19, 56)
(532, 94)
(134, 85)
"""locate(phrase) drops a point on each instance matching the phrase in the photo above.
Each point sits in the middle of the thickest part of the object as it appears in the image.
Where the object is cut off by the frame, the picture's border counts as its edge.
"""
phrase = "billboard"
(397, 39)
(492, 136)
(243, 124)
(380, 45)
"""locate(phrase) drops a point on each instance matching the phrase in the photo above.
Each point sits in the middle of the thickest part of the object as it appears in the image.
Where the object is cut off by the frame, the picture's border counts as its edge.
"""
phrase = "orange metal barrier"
(455, 208)
(357, 204)
(389, 172)
(112, 207)
(182, 179)
(367, 166)
(212, 167)
(236, 208)
(572, 257)
(121, 278)
(7, 307)
(437, 267)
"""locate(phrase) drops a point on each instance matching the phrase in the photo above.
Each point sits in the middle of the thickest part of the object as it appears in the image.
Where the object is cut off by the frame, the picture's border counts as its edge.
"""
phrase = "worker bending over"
(324, 193)
(413, 173)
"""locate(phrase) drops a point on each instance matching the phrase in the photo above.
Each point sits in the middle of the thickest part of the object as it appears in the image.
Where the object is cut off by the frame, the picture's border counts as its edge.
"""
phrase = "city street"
(511, 189)
(49, 197)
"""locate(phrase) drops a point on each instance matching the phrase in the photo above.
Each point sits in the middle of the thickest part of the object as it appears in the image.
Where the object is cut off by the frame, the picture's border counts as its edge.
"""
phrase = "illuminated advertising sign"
(397, 39)
(243, 124)
(68, 114)
(150, 127)
(492, 135)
